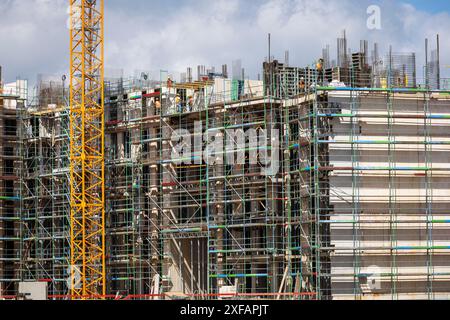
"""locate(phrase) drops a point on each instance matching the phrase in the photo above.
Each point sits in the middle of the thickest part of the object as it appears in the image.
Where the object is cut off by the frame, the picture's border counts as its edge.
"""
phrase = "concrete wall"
(390, 229)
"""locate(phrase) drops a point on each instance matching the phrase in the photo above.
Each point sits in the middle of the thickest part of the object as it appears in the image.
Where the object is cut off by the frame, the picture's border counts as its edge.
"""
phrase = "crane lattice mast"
(87, 145)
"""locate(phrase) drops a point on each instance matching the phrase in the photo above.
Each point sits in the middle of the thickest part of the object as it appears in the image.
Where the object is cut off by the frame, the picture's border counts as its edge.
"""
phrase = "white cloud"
(186, 33)
(33, 37)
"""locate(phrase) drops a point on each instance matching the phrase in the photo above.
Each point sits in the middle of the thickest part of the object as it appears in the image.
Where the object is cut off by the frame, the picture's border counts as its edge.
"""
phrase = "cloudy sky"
(144, 35)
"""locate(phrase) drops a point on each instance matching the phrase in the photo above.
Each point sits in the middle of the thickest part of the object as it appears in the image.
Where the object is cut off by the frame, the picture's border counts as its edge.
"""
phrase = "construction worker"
(319, 65)
(169, 82)
(302, 84)
(158, 106)
(320, 71)
(178, 104)
(190, 103)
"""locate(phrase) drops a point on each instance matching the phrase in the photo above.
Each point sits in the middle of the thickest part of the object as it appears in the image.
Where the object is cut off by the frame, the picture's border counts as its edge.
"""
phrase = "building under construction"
(328, 181)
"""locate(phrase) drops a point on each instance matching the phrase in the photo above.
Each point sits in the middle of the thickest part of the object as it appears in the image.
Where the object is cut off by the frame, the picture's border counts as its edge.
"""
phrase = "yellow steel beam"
(87, 149)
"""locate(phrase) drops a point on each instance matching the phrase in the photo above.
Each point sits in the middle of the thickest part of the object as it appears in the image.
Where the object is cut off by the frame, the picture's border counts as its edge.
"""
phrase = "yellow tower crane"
(87, 150)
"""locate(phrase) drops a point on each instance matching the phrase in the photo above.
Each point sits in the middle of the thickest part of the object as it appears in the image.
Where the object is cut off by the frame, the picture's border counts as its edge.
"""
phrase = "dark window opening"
(8, 169)
(8, 151)
(127, 142)
(10, 127)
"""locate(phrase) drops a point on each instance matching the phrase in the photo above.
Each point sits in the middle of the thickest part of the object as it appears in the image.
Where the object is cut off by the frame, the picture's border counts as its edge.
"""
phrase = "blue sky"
(432, 6)
(144, 35)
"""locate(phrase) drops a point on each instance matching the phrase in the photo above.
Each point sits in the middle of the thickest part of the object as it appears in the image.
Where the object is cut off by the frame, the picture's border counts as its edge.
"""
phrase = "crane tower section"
(87, 149)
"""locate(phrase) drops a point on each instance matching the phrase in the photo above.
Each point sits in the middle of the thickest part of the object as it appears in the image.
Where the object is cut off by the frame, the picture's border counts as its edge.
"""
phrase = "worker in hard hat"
(319, 65)
(158, 106)
(302, 84)
(190, 103)
(320, 71)
(169, 82)
(178, 104)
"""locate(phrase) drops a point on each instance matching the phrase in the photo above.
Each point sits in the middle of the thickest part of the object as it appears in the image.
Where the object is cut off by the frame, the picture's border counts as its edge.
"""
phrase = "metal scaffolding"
(45, 232)
(347, 199)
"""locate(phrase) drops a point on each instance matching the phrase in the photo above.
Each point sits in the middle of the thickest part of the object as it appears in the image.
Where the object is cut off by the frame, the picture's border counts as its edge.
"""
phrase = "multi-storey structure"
(45, 249)
(316, 184)
(12, 97)
(389, 194)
